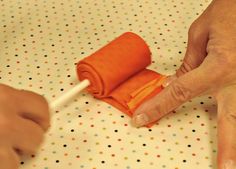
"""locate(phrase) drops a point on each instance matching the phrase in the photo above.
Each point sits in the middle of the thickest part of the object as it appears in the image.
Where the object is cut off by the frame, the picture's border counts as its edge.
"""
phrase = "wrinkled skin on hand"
(209, 66)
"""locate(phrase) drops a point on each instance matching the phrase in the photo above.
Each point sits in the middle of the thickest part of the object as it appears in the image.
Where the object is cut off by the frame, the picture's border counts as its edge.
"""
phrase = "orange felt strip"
(144, 91)
(118, 75)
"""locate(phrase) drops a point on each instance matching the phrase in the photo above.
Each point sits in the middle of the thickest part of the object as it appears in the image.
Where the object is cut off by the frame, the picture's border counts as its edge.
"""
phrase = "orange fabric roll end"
(113, 64)
(118, 75)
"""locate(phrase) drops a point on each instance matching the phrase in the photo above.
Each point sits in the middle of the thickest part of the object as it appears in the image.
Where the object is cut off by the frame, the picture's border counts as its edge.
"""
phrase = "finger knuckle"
(192, 28)
(37, 97)
(32, 139)
(36, 142)
(179, 92)
(185, 67)
(44, 108)
(193, 32)
(42, 103)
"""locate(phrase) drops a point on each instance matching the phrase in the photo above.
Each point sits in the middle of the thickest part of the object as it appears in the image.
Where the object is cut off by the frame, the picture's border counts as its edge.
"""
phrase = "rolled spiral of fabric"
(113, 64)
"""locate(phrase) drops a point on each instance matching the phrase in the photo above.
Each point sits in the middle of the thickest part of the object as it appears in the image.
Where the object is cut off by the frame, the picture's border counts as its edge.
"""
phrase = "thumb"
(227, 128)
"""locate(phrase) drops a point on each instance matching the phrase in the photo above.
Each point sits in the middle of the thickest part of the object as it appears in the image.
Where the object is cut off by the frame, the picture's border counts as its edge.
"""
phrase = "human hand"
(209, 66)
(24, 117)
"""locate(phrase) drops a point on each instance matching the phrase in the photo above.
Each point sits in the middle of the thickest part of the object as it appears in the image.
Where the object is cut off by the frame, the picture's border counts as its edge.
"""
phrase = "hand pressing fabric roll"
(209, 66)
(118, 75)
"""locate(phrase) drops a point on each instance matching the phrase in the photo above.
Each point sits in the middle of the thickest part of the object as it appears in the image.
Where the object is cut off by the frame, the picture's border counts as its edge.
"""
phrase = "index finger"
(179, 91)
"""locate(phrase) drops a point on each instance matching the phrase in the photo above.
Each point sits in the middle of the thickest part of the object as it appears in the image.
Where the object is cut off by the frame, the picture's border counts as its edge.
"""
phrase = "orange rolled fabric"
(118, 75)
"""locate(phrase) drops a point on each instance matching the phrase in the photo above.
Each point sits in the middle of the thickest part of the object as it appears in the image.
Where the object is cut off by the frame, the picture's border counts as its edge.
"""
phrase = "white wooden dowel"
(70, 94)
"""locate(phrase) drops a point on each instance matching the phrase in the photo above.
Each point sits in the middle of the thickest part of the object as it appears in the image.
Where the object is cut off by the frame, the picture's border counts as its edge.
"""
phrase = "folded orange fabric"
(118, 75)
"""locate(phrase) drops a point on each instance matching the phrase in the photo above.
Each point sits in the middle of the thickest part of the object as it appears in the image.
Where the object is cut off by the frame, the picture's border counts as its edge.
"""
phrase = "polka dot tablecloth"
(40, 42)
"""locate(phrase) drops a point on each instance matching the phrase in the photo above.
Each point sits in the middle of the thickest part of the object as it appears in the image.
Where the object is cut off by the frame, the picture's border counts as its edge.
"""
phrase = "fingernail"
(140, 120)
(230, 164)
(168, 80)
